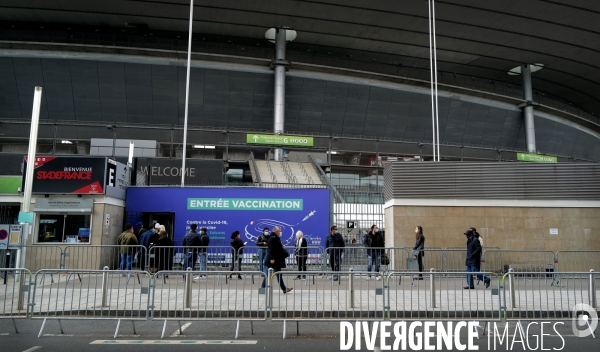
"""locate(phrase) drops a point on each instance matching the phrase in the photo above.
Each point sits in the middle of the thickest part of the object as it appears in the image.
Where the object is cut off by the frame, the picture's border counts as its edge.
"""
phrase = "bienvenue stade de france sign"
(276, 139)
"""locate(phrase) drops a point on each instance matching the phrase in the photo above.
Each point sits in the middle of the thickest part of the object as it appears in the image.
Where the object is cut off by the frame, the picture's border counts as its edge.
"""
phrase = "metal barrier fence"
(441, 296)
(80, 257)
(95, 294)
(500, 261)
(531, 295)
(96, 257)
(43, 257)
(180, 295)
(577, 261)
(176, 295)
(15, 294)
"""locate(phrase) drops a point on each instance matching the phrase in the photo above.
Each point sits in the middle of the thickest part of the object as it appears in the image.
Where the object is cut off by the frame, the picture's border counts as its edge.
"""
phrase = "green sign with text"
(277, 139)
(536, 158)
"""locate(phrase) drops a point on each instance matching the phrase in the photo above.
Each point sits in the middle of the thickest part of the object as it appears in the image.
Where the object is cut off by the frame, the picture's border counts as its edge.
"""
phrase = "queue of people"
(272, 254)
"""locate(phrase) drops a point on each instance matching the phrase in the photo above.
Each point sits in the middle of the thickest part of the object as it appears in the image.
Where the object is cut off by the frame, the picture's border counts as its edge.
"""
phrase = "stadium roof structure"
(479, 45)
(479, 39)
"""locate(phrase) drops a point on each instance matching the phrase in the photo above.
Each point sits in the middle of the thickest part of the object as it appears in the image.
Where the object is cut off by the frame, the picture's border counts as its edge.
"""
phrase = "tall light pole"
(280, 36)
(35, 119)
(187, 93)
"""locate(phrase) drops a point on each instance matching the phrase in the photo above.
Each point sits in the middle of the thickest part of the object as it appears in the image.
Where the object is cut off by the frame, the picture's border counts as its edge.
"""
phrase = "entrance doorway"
(167, 219)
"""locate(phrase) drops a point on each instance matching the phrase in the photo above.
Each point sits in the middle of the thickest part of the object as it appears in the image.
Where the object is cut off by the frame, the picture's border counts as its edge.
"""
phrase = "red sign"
(68, 175)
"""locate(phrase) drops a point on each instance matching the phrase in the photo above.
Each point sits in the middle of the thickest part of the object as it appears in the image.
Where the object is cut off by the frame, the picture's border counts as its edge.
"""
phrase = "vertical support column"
(54, 141)
(279, 108)
(528, 109)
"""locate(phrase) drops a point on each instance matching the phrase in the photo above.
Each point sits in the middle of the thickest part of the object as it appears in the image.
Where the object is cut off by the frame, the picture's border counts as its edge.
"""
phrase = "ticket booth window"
(64, 228)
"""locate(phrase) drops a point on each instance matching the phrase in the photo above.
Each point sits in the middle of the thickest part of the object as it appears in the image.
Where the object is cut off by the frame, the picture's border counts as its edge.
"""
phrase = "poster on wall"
(67, 175)
(225, 210)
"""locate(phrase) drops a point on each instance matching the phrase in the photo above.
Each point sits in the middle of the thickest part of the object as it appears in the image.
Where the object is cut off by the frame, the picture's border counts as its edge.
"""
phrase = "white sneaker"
(197, 277)
(378, 278)
(368, 278)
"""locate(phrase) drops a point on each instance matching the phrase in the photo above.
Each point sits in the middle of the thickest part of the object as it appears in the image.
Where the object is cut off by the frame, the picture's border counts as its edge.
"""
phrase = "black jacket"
(302, 250)
(374, 241)
(276, 252)
(237, 246)
(261, 241)
(473, 252)
(164, 256)
(204, 241)
(192, 239)
(420, 245)
(334, 241)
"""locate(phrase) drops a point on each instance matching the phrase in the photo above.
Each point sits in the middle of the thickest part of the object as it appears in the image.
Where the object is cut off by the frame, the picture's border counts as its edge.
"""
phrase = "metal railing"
(254, 169)
(98, 294)
(531, 295)
(180, 295)
(15, 294)
(176, 295)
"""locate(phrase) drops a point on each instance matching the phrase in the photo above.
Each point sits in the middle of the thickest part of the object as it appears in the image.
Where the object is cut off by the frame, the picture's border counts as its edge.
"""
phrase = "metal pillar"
(280, 66)
(528, 109)
(54, 140)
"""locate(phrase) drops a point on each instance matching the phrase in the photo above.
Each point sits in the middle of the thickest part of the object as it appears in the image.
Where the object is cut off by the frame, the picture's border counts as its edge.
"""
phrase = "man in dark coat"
(146, 239)
(473, 257)
(276, 256)
(335, 248)
(191, 242)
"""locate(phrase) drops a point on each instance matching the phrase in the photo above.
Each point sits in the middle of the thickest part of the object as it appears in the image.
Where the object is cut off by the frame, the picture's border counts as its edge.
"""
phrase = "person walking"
(164, 257)
(419, 250)
(237, 252)
(480, 239)
(202, 252)
(261, 243)
(128, 243)
(276, 257)
(301, 253)
(276, 232)
(375, 244)
(334, 244)
(191, 244)
(473, 256)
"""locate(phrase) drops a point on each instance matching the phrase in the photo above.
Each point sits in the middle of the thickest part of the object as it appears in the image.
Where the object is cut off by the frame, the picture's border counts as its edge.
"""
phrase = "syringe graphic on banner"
(308, 216)
(258, 225)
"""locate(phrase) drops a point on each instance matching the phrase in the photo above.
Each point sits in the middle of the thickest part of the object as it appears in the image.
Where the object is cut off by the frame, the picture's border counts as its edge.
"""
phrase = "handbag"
(416, 252)
(385, 260)
(285, 252)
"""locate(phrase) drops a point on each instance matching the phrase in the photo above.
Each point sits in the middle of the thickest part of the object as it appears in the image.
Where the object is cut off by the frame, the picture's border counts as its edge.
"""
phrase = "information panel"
(224, 210)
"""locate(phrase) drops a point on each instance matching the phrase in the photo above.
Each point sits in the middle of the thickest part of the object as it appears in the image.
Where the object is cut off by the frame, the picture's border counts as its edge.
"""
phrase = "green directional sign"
(277, 139)
(537, 158)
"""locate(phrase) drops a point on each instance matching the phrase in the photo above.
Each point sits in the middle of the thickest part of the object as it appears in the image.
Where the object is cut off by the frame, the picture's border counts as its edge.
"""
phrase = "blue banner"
(248, 210)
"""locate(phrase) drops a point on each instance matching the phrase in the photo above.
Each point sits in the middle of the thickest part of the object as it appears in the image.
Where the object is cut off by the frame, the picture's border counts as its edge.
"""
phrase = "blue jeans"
(125, 260)
(373, 259)
(473, 269)
(261, 258)
(189, 261)
(202, 257)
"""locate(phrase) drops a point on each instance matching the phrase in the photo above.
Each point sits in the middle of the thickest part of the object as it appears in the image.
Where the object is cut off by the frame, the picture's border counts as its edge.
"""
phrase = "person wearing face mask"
(374, 243)
(418, 250)
(335, 248)
(261, 243)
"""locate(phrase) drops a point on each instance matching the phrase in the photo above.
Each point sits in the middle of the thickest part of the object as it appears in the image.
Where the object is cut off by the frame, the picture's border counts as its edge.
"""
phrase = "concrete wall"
(517, 228)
